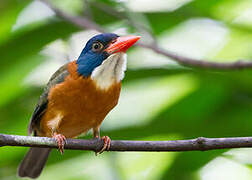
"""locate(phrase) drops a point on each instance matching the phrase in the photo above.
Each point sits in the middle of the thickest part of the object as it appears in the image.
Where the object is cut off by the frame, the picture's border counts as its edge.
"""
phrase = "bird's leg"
(106, 140)
(106, 145)
(96, 133)
(61, 141)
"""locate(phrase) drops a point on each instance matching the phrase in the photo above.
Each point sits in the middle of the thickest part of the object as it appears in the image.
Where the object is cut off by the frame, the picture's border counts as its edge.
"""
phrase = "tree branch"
(83, 22)
(203, 64)
(79, 21)
(198, 144)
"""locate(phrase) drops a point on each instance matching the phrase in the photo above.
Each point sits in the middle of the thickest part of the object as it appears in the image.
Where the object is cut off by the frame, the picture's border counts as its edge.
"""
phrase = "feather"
(41, 107)
(34, 162)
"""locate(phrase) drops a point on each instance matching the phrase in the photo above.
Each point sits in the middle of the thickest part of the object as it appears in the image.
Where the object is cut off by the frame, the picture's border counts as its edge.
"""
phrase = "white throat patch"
(110, 71)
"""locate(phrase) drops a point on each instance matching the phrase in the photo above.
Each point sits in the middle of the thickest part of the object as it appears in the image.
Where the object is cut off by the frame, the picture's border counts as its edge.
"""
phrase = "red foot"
(61, 141)
(106, 145)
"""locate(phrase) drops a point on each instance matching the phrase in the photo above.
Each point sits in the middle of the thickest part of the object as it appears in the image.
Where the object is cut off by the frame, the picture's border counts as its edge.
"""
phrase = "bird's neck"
(111, 71)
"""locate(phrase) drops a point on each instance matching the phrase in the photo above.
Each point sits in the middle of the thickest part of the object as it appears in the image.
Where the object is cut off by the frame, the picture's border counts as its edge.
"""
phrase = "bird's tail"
(34, 162)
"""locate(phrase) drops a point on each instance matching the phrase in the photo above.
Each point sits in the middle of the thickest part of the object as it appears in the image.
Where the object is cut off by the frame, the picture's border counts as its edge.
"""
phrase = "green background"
(160, 99)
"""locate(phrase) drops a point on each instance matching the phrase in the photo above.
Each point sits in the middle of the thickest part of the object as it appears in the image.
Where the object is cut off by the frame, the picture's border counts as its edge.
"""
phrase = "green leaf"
(9, 11)
(27, 43)
(12, 80)
(163, 21)
(144, 73)
(186, 165)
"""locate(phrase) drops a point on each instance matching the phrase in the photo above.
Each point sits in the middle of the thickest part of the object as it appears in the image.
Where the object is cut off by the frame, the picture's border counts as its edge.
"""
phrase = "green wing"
(41, 107)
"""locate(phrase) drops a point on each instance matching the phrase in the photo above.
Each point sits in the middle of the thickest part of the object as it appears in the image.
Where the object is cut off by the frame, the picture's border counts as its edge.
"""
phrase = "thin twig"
(87, 10)
(120, 15)
(83, 22)
(203, 64)
(79, 21)
(198, 144)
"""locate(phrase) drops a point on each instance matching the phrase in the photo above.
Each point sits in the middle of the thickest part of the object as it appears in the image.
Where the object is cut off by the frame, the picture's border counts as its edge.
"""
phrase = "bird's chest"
(80, 105)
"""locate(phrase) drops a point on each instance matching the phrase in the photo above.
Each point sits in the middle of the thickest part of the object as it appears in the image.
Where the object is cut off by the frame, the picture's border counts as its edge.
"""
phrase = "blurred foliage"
(212, 104)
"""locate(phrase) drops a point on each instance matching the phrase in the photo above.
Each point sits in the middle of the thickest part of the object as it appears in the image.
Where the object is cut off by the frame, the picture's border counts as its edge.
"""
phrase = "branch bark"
(196, 63)
(83, 22)
(198, 144)
(79, 21)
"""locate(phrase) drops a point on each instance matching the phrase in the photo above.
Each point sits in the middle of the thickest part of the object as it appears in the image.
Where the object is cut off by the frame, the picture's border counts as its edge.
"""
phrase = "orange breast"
(77, 105)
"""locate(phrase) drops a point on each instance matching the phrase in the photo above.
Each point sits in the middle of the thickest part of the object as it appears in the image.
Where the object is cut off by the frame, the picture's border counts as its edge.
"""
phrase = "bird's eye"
(97, 46)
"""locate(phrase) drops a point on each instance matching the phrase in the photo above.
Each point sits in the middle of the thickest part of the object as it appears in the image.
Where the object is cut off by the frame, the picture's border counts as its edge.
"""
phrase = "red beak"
(122, 44)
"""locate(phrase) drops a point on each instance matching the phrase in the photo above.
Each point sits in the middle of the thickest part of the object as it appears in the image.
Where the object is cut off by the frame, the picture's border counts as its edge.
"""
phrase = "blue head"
(99, 48)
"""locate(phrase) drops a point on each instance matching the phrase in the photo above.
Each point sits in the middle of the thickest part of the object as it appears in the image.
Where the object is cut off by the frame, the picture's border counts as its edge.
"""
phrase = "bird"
(78, 97)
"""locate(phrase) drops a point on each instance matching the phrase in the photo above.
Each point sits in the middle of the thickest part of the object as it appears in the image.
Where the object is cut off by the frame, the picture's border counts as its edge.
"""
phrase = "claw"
(61, 141)
(106, 145)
